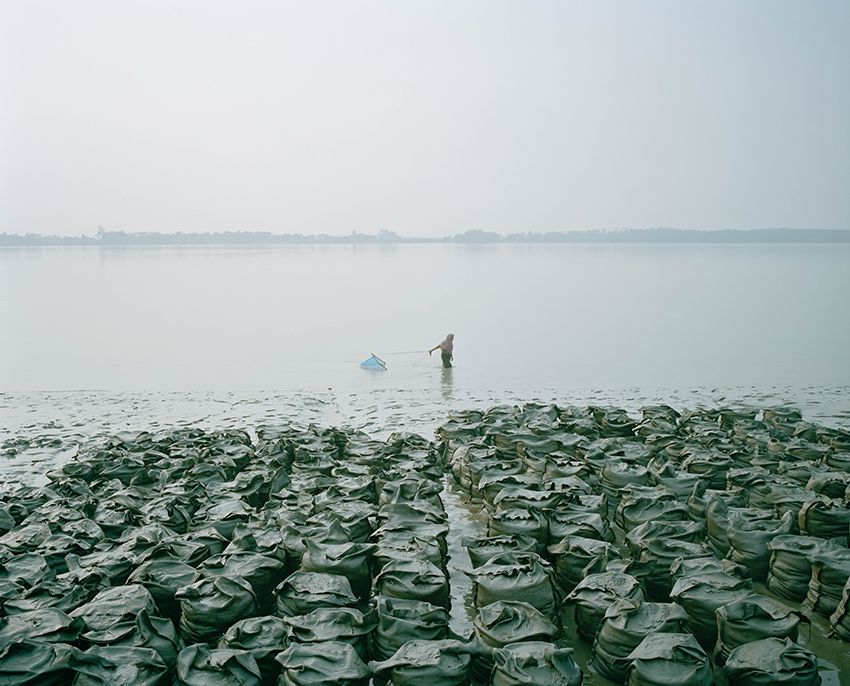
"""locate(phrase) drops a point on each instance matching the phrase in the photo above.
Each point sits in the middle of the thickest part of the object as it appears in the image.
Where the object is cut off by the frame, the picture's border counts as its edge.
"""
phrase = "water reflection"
(447, 384)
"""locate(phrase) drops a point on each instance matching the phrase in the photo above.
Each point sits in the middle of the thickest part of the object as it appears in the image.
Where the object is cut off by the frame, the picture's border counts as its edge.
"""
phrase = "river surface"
(525, 317)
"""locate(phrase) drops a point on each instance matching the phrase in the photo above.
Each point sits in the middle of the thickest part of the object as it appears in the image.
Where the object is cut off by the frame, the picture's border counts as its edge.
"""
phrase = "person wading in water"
(446, 350)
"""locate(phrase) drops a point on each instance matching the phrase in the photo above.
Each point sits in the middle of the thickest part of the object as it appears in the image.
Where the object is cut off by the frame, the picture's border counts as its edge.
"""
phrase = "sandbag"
(110, 610)
(750, 619)
(595, 594)
(156, 633)
(772, 661)
(35, 663)
(48, 626)
(575, 557)
(322, 664)
(830, 571)
(824, 518)
(350, 560)
(118, 666)
(840, 619)
(515, 575)
(625, 624)
(535, 664)
(480, 550)
(414, 580)
(211, 604)
(530, 523)
(199, 665)
(663, 659)
(163, 577)
(343, 624)
(653, 566)
(401, 620)
(303, 592)
(791, 566)
(50, 594)
(749, 537)
(427, 663)
(702, 594)
(262, 572)
(263, 637)
(584, 525)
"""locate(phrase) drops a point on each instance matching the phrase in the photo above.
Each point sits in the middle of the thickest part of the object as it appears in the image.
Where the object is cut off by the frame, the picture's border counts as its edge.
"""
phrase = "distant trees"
(107, 238)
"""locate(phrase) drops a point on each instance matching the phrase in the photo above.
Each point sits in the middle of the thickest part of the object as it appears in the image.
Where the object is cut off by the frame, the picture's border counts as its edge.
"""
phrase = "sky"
(426, 118)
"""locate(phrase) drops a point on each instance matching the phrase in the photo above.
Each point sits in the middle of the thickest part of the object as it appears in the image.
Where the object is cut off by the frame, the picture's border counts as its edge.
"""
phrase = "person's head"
(449, 336)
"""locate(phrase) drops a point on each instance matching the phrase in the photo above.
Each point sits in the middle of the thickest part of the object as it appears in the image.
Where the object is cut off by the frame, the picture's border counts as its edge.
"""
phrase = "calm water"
(525, 317)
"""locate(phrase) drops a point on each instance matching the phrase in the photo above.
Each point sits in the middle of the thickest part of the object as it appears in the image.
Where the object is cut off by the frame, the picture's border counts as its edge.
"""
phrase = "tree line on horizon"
(107, 238)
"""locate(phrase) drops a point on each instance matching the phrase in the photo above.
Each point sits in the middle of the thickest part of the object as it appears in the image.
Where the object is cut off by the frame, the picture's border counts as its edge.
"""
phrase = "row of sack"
(159, 541)
(547, 491)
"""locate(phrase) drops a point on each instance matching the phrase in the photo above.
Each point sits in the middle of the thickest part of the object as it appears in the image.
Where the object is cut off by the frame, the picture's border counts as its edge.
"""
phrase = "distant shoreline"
(105, 238)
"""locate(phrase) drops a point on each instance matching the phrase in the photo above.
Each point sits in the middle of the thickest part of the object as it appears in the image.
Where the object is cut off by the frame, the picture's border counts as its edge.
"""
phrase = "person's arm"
(434, 348)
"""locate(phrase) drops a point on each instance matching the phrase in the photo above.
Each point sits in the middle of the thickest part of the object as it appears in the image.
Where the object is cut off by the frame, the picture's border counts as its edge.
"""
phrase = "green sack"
(414, 580)
(48, 625)
(322, 664)
(34, 663)
(790, 564)
(351, 560)
(535, 664)
(771, 661)
(401, 620)
(480, 550)
(669, 659)
(515, 575)
(263, 637)
(111, 666)
(427, 663)
(163, 577)
(110, 610)
(575, 557)
(625, 624)
(750, 619)
(343, 624)
(211, 604)
(595, 594)
(702, 594)
(303, 592)
(199, 665)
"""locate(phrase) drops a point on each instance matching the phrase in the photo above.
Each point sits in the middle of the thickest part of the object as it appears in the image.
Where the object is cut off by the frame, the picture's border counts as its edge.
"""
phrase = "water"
(526, 317)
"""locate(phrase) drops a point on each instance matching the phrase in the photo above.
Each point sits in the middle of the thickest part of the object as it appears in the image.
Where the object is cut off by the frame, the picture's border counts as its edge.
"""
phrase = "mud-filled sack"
(791, 566)
(199, 665)
(57, 595)
(210, 605)
(535, 664)
(584, 525)
(617, 474)
(639, 506)
(401, 620)
(529, 523)
(47, 625)
(303, 592)
(625, 624)
(505, 622)
(163, 577)
(414, 580)
(595, 594)
(702, 594)
(575, 557)
(840, 619)
(344, 624)
(427, 663)
(263, 637)
(771, 661)
(350, 560)
(480, 550)
(653, 566)
(824, 518)
(408, 547)
(515, 575)
(750, 619)
(662, 659)
(118, 666)
(143, 631)
(262, 572)
(322, 664)
(34, 663)
(830, 571)
(749, 537)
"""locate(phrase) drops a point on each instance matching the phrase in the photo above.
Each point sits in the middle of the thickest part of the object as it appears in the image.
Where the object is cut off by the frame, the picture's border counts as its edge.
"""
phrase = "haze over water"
(525, 317)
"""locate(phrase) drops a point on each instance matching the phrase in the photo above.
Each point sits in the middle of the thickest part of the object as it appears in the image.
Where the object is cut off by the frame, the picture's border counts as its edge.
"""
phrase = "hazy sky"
(426, 118)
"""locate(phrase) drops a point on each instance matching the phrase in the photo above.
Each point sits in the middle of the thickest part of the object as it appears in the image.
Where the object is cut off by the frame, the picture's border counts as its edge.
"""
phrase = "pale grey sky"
(425, 117)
